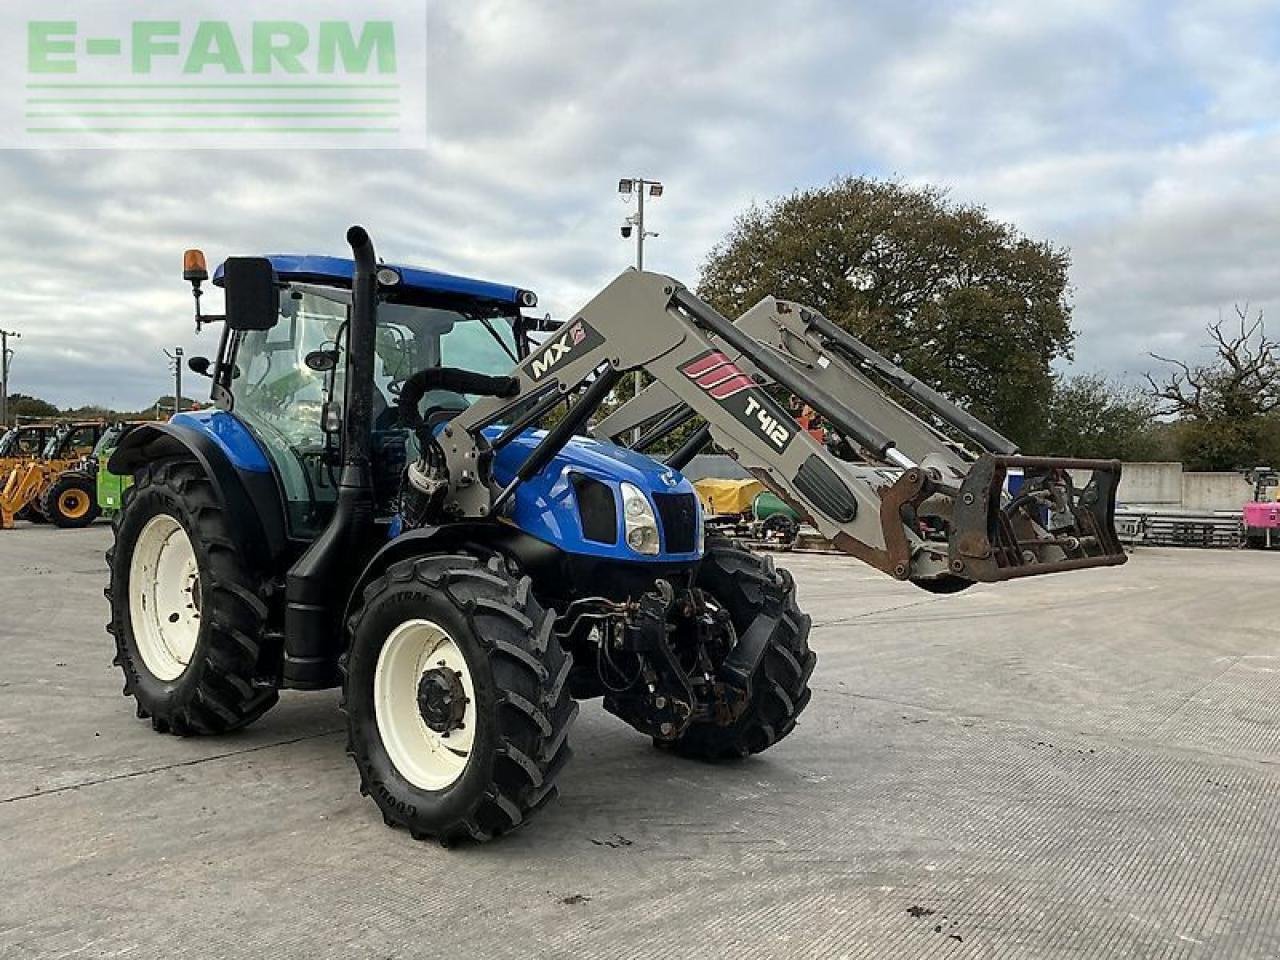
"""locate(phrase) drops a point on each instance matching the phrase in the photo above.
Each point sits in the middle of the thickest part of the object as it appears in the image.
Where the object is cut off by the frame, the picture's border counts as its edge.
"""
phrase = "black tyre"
(457, 701)
(781, 529)
(71, 501)
(31, 513)
(749, 587)
(185, 608)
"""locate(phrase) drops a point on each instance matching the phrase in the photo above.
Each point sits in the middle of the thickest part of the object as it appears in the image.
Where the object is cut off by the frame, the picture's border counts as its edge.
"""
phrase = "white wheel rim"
(427, 759)
(164, 597)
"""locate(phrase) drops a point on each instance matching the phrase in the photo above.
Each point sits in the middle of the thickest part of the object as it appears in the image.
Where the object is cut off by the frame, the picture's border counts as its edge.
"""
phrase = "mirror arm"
(202, 319)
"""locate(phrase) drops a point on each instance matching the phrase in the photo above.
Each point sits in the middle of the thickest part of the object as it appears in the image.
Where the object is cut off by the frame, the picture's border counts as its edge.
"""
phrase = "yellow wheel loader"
(57, 487)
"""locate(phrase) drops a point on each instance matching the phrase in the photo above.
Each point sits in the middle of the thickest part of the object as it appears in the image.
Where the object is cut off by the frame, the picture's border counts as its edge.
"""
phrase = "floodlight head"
(624, 187)
(655, 189)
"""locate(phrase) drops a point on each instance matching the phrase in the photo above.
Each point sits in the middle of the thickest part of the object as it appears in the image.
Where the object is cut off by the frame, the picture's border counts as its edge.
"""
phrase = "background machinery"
(24, 442)
(1261, 515)
(58, 486)
(110, 486)
(371, 506)
(746, 512)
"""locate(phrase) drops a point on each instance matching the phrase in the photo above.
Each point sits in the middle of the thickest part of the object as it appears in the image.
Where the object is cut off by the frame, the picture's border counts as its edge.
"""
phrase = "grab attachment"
(1049, 524)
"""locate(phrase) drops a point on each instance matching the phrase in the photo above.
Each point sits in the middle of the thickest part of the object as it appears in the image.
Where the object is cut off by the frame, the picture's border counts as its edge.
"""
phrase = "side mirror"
(199, 365)
(321, 361)
(252, 296)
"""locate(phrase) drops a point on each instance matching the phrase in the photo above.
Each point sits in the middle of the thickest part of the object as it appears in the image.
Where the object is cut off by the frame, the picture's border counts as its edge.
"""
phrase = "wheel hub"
(164, 597)
(442, 701)
(424, 702)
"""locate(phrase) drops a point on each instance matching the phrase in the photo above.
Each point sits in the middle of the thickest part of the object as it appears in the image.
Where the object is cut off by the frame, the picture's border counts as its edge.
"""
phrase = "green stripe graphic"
(282, 85)
(297, 115)
(213, 129)
(111, 101)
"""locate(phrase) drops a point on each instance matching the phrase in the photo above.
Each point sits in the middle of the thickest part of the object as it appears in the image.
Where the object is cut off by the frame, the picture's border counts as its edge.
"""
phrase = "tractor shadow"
(618, 795)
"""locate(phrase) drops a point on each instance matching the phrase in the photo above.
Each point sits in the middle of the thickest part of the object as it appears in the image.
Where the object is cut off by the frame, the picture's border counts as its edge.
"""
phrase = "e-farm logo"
(324, 73)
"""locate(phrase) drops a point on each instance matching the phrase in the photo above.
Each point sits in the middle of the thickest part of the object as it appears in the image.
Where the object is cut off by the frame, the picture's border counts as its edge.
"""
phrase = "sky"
(1143, 136)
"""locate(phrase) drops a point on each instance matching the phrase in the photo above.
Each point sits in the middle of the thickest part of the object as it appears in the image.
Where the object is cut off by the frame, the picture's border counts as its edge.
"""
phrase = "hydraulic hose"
(453, 379)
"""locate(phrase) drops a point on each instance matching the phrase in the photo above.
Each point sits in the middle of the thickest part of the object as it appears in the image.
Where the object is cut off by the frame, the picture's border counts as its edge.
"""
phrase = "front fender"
(532, 555)
(250, 499)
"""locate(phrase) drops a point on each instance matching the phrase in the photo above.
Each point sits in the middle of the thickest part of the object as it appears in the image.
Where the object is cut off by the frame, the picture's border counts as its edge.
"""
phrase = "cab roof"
(337, 271)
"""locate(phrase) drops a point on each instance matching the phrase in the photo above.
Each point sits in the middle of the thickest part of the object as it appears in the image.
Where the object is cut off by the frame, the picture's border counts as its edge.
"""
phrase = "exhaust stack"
(319, 579)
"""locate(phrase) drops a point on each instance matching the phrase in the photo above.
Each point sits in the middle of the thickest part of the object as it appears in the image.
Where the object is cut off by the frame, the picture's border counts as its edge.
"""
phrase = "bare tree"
(1241, 382)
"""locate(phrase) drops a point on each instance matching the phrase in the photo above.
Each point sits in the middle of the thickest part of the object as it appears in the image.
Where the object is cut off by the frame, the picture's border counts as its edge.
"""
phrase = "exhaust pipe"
(318, 583)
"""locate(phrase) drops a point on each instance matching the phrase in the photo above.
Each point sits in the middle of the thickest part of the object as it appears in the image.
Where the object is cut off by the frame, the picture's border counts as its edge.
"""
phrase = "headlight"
(641, 524)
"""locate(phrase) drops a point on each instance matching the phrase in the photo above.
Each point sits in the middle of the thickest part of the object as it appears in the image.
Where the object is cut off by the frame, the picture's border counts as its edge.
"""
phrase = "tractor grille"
(597, 509)
(678, 513)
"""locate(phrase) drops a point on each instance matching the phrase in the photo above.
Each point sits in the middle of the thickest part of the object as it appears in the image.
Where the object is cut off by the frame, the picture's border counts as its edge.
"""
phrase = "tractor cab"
(26, 440)
(285, 382)
(72, 441)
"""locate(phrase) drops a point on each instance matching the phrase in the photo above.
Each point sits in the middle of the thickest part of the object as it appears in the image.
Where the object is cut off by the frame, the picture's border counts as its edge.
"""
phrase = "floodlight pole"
(5, 356)
(176, 358)
(640, 185)
(640, 234)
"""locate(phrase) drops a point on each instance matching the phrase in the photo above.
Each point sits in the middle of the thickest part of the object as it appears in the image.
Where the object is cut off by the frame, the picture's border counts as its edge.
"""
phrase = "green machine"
(111, 486)
(773, 521)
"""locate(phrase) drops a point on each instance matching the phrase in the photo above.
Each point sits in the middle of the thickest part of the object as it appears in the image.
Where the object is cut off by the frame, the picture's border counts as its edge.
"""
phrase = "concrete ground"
(1082, 765)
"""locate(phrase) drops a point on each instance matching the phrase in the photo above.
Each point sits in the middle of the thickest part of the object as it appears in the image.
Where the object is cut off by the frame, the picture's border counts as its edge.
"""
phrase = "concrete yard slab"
(1083, 765)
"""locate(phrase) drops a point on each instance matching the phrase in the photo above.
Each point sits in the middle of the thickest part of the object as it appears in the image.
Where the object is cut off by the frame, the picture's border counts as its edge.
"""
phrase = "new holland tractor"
(371, 505)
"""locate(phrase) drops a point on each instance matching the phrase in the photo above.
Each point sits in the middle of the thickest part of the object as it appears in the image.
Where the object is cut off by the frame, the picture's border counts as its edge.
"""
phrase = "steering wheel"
(454, 380)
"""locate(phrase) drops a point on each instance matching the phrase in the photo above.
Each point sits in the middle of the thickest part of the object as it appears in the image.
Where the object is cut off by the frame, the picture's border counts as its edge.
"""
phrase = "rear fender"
(250, 499)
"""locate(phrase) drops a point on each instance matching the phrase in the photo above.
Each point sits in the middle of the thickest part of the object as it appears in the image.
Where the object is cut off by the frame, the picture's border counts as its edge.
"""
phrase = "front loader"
(371, 505)
(946, 519)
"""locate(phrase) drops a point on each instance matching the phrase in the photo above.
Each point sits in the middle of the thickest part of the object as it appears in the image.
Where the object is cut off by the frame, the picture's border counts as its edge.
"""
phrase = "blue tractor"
(303, 534)
(372, 505)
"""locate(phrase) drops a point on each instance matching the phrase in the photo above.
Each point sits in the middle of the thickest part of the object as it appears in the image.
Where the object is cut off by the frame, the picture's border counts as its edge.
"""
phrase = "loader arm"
(787, 329)
(876, 511)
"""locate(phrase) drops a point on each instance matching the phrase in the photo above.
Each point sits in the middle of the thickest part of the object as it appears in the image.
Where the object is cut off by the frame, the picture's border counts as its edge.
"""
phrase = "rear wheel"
(185, 610)
(456, 694)
(750, 589)
(71, 501)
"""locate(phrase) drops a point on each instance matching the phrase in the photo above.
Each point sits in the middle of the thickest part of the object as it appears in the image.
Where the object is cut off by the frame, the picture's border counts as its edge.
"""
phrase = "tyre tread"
(780, 690)
(534, 710)
(226, 696)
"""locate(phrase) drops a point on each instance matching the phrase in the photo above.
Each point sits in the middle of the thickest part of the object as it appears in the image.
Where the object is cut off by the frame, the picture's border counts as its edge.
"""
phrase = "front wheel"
(757, 597)
(458, 709)
(71, 501)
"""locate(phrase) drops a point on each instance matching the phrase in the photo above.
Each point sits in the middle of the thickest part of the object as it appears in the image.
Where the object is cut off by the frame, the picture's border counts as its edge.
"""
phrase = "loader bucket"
(1053, 522)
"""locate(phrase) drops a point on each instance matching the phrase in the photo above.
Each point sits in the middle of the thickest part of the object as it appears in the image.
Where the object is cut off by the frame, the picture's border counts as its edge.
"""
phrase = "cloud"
(1142, 135)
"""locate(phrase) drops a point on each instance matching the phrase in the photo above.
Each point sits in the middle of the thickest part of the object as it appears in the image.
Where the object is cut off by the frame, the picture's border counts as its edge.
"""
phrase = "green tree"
(966, 303)
(22, 405)
(1227, 408)
(1090, 416)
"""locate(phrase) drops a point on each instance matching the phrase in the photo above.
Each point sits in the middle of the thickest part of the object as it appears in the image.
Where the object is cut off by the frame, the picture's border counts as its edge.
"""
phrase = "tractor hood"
(562, 505)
